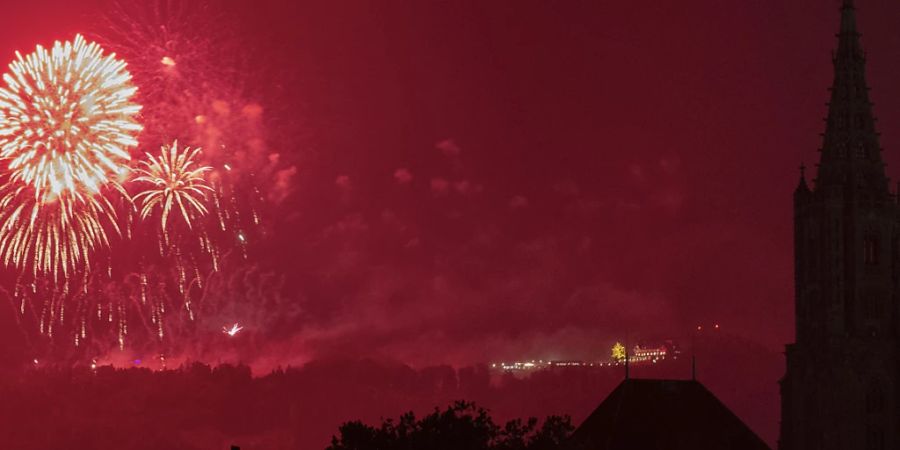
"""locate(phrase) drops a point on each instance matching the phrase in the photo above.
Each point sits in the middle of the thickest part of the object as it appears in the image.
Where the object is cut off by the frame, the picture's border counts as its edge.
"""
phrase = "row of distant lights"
(532, 365)
(653, 357)
(538, 364)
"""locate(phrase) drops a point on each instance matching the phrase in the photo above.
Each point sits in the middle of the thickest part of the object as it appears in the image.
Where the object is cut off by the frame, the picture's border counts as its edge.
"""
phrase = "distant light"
(717, 326)
(35, 361)
(699, 328)
(166, 61)
(241, 237)
(227, 167)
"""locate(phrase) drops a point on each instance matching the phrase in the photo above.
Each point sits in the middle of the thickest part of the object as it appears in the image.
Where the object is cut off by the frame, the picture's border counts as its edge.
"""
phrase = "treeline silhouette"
(202, 407)
(462, 425)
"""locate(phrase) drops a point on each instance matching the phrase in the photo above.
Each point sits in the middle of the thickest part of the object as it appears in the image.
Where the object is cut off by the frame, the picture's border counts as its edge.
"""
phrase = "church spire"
(845, 277)
(848, 7)
(851, 154)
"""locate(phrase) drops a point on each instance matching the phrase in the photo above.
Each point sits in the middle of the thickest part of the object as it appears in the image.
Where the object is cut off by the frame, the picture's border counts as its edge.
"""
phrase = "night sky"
(472, 181)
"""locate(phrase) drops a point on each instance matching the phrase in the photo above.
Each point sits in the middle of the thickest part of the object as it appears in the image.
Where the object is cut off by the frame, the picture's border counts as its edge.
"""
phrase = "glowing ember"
(235, 329)
(66, 125)
(176, 181)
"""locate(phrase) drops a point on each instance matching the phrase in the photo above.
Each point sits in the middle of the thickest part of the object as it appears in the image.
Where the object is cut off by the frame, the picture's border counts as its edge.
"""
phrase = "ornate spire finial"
(848, 18)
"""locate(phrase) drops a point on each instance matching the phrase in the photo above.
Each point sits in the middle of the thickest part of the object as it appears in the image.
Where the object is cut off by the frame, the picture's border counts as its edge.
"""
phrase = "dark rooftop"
(663, 414)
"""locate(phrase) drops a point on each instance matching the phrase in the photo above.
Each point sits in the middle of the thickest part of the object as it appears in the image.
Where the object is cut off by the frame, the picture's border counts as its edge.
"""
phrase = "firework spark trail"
(173, 183)
(67, 123)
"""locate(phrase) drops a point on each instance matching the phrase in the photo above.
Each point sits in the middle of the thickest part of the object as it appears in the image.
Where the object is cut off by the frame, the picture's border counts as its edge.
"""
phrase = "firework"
(235, 329)
(198, 83)
(189, 219)
(67, 123)
(175, 181)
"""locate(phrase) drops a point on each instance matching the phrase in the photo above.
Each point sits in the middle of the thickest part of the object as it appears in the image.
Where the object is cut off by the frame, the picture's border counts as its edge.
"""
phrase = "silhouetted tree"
(462, 426)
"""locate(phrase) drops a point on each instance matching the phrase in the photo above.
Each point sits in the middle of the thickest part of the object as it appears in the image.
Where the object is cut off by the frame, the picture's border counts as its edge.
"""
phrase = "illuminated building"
(642, 353)
(648, 354)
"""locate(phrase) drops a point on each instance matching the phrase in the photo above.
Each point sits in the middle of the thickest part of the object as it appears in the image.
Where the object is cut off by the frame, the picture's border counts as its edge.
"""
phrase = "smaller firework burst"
(235, 329)
(173, 180)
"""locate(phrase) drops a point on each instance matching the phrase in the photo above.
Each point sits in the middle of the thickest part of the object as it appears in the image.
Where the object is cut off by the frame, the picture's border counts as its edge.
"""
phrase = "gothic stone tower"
(842, 382)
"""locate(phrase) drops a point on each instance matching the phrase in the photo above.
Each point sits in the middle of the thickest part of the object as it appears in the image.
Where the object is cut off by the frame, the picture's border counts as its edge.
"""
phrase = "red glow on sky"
(451, 184)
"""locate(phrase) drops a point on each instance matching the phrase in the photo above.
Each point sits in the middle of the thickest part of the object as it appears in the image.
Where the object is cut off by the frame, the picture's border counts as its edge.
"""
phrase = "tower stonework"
(842, 383)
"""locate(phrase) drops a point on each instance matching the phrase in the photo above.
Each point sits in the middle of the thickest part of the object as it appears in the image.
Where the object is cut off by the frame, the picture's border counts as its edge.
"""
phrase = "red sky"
(483, 180)
(607, 168)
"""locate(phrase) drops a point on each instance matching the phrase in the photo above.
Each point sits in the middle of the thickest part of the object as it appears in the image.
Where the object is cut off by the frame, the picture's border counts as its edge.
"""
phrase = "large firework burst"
(176, 181)
(67, 123)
